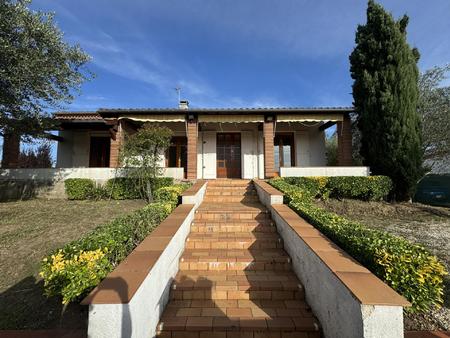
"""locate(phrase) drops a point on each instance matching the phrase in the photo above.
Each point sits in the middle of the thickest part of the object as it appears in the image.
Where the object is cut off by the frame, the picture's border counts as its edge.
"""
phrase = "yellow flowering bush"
(76, 268)
(70, 275)
(408, 268)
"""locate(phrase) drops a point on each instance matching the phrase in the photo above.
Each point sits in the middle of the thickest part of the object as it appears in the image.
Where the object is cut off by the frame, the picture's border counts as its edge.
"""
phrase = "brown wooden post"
(344, 132)
(192, 137)
(11, 150)
(116, 142)
(268, 134)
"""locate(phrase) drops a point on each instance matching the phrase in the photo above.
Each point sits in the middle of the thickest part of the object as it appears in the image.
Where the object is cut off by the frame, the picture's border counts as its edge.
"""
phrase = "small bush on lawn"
(367, 188)
(79, 188)
(76, 268)
(408, 268)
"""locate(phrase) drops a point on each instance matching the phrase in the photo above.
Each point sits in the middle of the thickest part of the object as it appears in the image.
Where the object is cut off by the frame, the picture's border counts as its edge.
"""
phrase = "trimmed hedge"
(408, 268)
(118, 188)
(122, 188)
(75, 269)
(79, 188)
(367, 188)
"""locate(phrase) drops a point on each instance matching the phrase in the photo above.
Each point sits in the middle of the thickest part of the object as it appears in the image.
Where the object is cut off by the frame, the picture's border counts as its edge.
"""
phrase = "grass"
(28, 231)
(425, 225)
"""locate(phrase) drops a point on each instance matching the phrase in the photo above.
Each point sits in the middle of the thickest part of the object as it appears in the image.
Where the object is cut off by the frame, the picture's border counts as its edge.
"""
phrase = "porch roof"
(112, 112)
(313, 113)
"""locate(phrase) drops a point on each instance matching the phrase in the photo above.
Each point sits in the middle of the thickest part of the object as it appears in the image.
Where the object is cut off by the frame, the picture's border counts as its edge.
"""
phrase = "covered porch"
(241, 143)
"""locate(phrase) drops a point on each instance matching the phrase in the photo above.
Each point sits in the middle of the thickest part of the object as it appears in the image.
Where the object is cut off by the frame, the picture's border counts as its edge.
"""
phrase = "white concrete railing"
(324, 171)
(348, 299)
(57, 174)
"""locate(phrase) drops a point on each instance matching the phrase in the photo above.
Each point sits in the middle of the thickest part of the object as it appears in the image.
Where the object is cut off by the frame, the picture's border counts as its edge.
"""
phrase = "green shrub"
(160, 182)
(170, 194)
(408, 268)
(80, 188)
(122, 188)
(79, 266)
(367, 188)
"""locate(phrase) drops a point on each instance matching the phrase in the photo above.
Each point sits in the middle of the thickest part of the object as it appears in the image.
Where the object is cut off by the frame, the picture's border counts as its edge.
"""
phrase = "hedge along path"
(408, 268)
(75, 269)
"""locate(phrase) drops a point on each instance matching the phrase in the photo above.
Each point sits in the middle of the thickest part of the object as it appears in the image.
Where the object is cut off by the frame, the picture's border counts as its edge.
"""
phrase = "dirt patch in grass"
(426, 225)
(28, 231)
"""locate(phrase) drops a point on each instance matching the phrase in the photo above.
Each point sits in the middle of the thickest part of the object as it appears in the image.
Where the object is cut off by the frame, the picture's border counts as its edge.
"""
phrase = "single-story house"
(210, 143)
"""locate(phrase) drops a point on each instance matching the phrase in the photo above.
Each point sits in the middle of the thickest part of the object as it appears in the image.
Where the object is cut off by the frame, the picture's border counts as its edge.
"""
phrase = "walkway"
(235, 279)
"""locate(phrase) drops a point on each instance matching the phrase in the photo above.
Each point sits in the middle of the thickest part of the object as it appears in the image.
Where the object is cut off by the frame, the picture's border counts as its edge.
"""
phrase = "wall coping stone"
(268, 188)
(139, 263)
(363, 284)
(194, 189)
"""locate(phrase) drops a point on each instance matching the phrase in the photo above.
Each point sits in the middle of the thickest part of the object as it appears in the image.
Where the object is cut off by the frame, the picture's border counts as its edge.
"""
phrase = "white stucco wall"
(317, 154)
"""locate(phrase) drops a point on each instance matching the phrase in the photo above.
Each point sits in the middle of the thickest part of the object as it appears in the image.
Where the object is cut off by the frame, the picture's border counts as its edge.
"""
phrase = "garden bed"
(427, 225)
(28, 231)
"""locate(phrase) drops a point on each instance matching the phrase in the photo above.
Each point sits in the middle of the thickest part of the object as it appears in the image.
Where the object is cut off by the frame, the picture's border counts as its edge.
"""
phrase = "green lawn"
(28, 231)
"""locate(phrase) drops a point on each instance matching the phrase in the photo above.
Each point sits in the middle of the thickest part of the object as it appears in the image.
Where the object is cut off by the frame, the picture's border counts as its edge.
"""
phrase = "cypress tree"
(385, 93)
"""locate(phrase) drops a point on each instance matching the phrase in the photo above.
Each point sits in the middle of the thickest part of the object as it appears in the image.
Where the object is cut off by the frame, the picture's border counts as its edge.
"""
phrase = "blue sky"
(227, 53)
(230, 53)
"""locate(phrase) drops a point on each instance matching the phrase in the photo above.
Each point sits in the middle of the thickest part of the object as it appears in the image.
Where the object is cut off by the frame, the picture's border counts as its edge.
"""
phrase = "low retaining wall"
(131, 299)
(57, 174)
(195, 194)
(348, 299)
(324, 171)
(49, 182)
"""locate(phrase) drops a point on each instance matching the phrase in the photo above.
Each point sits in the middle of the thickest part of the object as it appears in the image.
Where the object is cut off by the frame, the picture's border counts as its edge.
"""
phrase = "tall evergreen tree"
(385, 93)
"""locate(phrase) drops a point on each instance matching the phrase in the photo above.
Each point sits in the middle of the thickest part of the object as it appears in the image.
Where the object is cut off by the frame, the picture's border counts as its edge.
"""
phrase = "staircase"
(235, 279)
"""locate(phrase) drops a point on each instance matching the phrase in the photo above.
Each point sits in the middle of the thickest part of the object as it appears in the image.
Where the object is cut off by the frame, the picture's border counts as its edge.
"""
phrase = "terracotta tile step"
(226, 207)
(231, 192)
(231, 216)
(215, 294)
(235, 322)
(220, 227)
(205, 284)
(238, 333)
(231, 188)
(226, 266)
(235, 235)
(233, 241)
(236, 275)
(297, 307)
(237, 255)
(264, 221)
(231, 183)
(227, 199)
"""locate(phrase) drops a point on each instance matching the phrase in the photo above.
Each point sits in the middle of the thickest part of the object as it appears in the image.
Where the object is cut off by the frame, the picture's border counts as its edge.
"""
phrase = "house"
(211, 143)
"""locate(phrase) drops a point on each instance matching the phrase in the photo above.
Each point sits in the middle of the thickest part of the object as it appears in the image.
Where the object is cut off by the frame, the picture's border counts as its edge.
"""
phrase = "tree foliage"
(331, 147)
(385, 92)
(36, 158)
(141, 153)
(38, 70)
(434, 108)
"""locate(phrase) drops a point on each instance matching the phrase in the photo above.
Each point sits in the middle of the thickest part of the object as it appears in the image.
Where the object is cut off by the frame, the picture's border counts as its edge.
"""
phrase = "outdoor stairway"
(235, 279)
